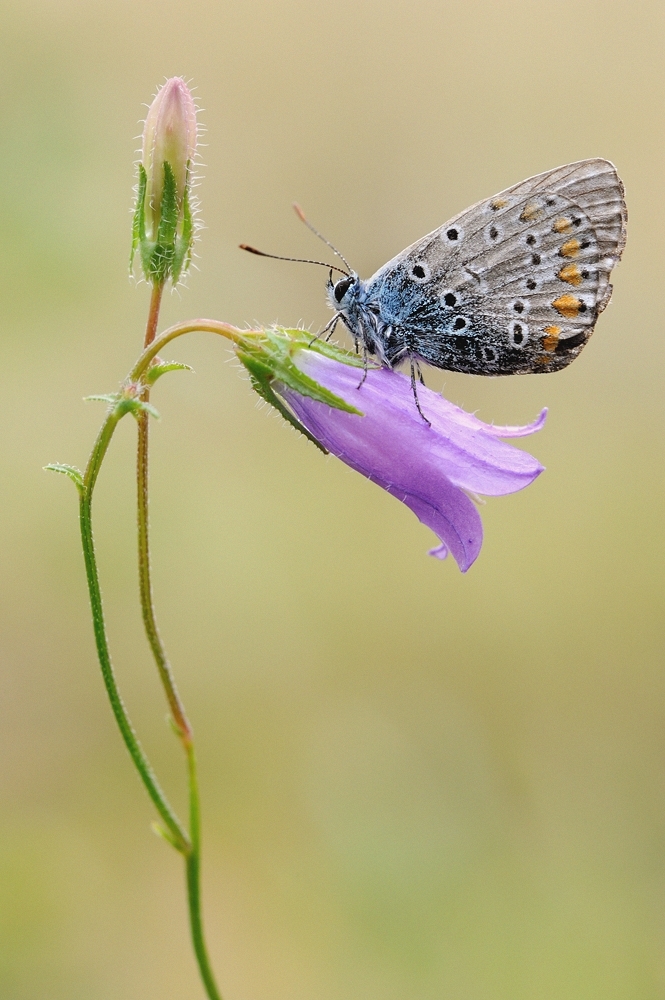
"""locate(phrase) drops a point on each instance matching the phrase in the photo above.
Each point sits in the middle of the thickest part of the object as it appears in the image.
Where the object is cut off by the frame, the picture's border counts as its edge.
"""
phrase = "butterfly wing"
(515, 283)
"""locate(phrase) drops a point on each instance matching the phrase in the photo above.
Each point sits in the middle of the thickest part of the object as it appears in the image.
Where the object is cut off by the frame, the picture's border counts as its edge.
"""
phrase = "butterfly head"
(343, 292)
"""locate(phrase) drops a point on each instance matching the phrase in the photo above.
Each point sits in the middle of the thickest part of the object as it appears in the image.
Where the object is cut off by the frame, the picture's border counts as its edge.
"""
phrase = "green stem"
(183, 728)
(145, 583)
(193, 863)
(188, 845)
(194, 325)
(178, 836)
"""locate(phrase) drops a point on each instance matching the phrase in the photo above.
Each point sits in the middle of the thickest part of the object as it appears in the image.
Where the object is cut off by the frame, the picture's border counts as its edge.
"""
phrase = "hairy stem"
(178, 836)
(174, 832)
(183, 728)
(193, 863)
(145, 583)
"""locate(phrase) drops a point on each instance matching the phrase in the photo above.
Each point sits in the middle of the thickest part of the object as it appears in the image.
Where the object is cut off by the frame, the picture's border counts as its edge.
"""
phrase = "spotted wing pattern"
(515, 283)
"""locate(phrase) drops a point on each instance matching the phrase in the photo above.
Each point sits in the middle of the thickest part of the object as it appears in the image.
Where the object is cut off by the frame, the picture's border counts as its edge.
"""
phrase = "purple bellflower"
(431, 469)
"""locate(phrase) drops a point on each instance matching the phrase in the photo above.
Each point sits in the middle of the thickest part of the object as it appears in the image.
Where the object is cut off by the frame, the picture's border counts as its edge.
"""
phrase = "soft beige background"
(415, 784)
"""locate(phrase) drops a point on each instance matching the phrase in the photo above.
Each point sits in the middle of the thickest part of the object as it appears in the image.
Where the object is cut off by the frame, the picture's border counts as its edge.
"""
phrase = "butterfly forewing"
(515, 283)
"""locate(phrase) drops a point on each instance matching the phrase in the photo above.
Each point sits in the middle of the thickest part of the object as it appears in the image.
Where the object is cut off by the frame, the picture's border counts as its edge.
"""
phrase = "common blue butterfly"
(510, 286)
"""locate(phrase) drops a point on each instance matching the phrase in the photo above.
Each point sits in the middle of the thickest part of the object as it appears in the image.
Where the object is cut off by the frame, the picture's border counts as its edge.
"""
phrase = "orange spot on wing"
(497, 203)
(562, 225)
(567, 305)
(571, 274)
(551, 338)
(571, 248)
(531, 212)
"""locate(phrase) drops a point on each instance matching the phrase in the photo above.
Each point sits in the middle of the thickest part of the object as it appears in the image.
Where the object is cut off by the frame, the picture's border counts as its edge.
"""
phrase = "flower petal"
(394, 435)
(428, 467)
(454, 519)
(519, 432)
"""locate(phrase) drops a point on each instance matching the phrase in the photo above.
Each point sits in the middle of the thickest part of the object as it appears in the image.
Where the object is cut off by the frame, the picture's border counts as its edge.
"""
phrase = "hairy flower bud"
(163, 228)
(169, 137)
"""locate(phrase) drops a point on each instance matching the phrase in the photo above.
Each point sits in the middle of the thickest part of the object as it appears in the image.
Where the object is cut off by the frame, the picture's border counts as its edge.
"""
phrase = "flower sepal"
(269, 359)
(166, 256)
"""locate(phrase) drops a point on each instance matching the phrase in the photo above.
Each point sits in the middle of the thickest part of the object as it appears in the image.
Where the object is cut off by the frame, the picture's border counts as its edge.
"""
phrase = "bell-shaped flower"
(370, 421)
(430, 468)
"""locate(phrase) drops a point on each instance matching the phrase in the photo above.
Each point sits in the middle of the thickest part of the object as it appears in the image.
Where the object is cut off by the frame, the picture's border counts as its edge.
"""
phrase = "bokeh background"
(415, 783)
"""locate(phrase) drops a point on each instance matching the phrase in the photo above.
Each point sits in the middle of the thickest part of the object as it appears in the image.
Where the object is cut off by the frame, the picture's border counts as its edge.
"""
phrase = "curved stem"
(178, 837)
(188, 845)
(194, 325)
(183, 728)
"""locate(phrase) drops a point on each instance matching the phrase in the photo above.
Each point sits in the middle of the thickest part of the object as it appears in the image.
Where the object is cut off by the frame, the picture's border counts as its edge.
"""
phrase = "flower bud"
(163, 227)
(169, 137)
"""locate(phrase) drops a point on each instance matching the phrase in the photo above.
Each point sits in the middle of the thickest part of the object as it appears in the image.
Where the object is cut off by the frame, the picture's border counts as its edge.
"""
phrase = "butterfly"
(512, 285)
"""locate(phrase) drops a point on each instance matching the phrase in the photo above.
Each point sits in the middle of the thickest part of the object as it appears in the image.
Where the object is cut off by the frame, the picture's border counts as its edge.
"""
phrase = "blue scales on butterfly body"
(512, 285)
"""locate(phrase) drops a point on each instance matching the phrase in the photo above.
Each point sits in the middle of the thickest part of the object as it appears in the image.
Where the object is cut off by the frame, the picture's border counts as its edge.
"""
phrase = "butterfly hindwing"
(515, 283)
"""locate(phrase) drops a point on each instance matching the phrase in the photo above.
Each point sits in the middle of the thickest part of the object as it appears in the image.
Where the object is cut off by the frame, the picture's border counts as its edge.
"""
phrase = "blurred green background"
(415, 783)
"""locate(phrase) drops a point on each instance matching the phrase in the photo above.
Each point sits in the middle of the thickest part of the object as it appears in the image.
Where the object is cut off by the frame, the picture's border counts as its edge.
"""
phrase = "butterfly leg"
(365, 365)
(332, 327)
(414, 389)
(329, 326)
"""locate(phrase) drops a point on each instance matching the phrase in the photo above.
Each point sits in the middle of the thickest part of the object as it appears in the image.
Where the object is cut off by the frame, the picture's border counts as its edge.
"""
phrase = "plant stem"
(145, 584)
(193, 863)
(183, 728)
(178, 836)
(203, 325)
(174, 832)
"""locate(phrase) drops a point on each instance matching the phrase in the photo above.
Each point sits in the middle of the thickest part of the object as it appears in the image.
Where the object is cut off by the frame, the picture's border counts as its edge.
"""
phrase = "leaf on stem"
(74, 474)
(156, 371)
(166, 835)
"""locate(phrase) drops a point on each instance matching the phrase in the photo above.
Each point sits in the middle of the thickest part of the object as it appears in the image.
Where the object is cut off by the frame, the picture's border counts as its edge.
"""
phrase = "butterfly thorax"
(365, 316)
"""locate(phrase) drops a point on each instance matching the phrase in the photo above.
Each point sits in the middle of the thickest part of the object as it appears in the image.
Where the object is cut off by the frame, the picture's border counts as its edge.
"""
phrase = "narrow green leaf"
(136, 406)
(109, 397)
(74, 474)
(166, 835)
(156, 371)
(142, 405)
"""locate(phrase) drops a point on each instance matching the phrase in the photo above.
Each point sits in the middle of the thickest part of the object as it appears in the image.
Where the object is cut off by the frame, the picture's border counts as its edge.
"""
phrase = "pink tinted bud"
(169, 136)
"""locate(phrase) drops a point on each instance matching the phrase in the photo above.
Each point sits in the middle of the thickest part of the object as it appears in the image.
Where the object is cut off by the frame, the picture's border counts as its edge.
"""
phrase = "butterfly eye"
(518, 333)
(341, 288)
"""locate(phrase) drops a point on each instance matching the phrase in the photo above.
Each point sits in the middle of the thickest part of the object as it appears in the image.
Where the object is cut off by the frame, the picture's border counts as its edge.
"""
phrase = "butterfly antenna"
(303, 218)
(296, 260)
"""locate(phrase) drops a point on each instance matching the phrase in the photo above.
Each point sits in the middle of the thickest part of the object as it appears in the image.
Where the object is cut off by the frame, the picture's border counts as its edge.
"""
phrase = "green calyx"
(269, 360)
(167, 253)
